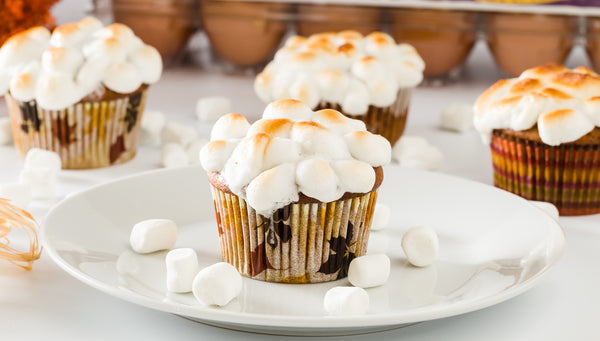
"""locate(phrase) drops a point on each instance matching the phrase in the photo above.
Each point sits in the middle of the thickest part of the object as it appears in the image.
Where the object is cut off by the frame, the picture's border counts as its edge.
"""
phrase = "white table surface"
(48, 304)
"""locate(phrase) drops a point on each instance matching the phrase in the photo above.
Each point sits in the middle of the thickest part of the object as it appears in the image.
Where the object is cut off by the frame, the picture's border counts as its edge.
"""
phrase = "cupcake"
(294, 193)
(543, 132)
(369, 78)
(318, 18)
(592, 40)
(79, 91)
(519, 41)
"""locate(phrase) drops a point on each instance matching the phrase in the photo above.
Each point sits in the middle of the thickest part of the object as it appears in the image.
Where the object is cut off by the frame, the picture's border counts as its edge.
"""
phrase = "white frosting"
(344, 68)
(562, 103)
(294, 150)
(73, 61)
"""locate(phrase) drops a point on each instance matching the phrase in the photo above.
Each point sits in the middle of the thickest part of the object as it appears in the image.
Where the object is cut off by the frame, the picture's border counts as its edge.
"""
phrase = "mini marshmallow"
(381, 217)
(420, 245)
(211, 108)
(407, 143)
(182, 267)
(369, 270)
(457, 117)
(193, 150)
(229, 126)
(173, 155)
(152, 124)
(416, 152)
(178, 133)
(5, 131)
(152, 235)
(341, 301)
(217, 284)
(37, 158)
(547, 207)
(43, 182)
(18, 193)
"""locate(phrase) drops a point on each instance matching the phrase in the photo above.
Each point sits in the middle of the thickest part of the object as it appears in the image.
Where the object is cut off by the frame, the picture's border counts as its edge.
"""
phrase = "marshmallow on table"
(173, 155)
(178, 133)
(457, 117)
(213, 107)
(5, 131)
(18, 193)
(40, 173)
(152, 235)
(416, 152)
(37, 158)
(193, 150)
(381, 217)
(369, 270)
(182, 267)
(547, 207)
(152, 124)
(217, 284)
(420, 245)
(346, 301)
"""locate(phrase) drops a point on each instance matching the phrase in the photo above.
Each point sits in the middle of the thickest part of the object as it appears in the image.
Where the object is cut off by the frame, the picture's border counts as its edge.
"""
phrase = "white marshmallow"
(428, 158)
(457, 117)
(182, 267)
(319, 141)
(148, 61)
(215, 154)
(6, 136)
(420, 245)
(229, 126)
(354, 176)
(173, 155)
(18, 193)
(181, 134)
(152, 235)
(316, 179)
(153, 122)
(193, 150)
(407, 143)
(122, 77)
(288, 108)
(212, 108)
(341, 301)
(42, 181)
(356, 101)
(547, 207)
(217, 284)
(369, 270)
(370, 148)
(381, 217)
(273, 188)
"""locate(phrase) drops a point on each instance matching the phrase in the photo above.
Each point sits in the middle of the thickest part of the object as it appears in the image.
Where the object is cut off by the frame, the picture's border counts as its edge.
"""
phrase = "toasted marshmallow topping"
(344, 68)
(60, 68)
(563, 103)
(294, 150)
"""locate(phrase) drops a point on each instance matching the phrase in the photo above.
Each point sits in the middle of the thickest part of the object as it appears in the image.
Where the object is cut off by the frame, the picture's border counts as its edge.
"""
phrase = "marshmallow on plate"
(182, 267)
(381, 217)
(193, 150)
(341, 301)
(173, 155)
(37, 158)
(5, 131)
(18, 193)
(152, 124)
(416, 152)
(217, 284)
(40, 172)
(152, 235)
(211, 108)
(420, 245)
(457, 117)
(369, 270)
(178, 133)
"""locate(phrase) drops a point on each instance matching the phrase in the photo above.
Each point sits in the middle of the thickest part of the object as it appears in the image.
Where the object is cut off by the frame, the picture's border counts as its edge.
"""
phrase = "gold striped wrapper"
(566, 175)
(85, 135)
(388, 122)
(299, 243)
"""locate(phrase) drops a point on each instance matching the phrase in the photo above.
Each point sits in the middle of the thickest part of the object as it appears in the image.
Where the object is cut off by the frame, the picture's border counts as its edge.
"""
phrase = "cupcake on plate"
(543, 132)
(79, 91)
(294, 193)
(369, 78)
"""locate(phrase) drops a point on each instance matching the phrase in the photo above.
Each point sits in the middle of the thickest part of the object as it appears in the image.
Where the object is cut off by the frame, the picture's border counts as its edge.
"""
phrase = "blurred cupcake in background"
(316, 18)
(78, 91)
(592, 40)
(245, 34)
(443, 38)
(519, 41)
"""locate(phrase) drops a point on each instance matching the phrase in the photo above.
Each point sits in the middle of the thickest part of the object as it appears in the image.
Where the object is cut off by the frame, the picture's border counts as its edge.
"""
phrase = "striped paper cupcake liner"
(85, 135)
(388, 122)
(300, 243)
(567, 175)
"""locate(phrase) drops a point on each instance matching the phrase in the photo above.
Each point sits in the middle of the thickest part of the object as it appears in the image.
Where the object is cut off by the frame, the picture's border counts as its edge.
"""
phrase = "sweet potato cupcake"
(79, 91)
(294, 193)
(544, 138)
(369, 78)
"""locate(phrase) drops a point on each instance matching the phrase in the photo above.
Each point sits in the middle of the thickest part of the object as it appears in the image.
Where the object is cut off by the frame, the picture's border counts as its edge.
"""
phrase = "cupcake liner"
(85, 135)
(567, 175)
(388, 122)
(299, 243)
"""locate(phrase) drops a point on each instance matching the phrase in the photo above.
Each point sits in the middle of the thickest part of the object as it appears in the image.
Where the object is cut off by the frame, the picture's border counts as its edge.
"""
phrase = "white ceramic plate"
(493, 246)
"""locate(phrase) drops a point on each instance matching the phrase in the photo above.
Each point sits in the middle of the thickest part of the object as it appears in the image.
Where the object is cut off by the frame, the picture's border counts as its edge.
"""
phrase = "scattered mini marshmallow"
(416, 152)
(420, 245)
(212, 107)
(5, 131)
(174, 155)
(346, 301)
(381, 217)
(42, 182)
(547, 207)
(18, 193)
(153, 122)
(193, 150)
(38, 158)
(152, 235)
(182, 267)
(369, 270)
(178, 133)
(457, 117)
(217, 284)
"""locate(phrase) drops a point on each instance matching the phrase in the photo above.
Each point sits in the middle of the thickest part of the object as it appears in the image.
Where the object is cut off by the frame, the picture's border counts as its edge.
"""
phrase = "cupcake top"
(563, 103)
(58, 69)
(346, 68)
(291, 151)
